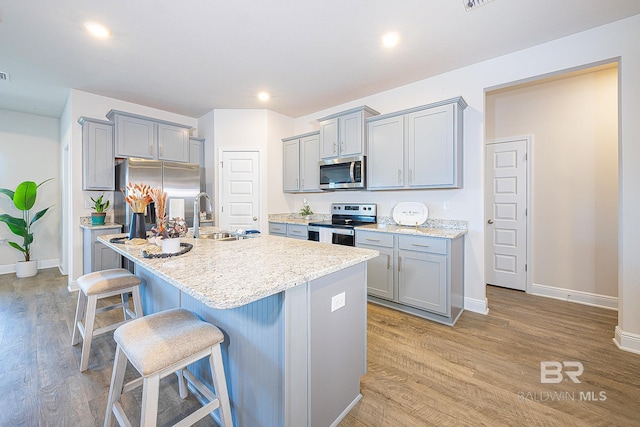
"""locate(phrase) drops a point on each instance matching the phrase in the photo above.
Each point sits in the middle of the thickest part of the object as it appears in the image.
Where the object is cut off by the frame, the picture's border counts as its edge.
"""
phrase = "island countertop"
(230, 274)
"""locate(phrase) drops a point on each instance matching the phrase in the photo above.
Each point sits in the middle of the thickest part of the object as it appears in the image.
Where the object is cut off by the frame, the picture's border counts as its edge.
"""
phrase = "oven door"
(341, 236)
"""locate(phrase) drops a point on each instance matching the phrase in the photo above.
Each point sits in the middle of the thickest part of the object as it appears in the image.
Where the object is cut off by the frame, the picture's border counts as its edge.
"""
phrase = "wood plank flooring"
(485, 371)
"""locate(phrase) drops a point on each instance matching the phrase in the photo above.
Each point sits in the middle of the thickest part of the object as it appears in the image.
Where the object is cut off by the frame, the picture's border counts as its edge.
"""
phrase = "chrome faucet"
(196, 212)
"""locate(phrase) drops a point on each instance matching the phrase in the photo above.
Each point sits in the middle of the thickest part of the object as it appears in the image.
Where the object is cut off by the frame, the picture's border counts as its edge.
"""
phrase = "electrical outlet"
(338, 301)
(446, 205)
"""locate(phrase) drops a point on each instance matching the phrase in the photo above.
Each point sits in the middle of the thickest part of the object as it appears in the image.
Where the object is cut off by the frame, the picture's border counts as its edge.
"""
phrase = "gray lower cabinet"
(294, 231)
(416, 274)
(98, 163)
(96, 255)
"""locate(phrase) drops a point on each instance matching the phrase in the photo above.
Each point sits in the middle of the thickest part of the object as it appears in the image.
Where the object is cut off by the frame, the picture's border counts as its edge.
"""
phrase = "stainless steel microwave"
(346, 173)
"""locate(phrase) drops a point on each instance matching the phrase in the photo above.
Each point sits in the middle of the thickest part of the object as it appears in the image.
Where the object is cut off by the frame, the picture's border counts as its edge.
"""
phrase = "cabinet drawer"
(297, 231)
(277, 228)
(423, 244)
(374, 239)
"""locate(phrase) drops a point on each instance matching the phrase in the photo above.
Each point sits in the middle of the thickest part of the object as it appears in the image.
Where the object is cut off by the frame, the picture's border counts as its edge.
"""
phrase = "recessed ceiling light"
(97, 29)
(264, 96)
(390, 39)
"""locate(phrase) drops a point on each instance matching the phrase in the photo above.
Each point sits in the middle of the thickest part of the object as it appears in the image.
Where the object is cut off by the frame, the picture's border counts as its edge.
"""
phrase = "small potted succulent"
(306, 211)
(100, 207)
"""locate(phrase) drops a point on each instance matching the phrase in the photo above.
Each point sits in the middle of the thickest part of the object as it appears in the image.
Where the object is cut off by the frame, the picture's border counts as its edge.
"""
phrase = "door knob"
(490, 221)
(255, 218)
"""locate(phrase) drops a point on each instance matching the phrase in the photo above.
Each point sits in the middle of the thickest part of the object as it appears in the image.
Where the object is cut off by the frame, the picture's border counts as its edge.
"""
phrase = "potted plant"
(306, 211)
(170, 231)
(100, 207)
(24, 198)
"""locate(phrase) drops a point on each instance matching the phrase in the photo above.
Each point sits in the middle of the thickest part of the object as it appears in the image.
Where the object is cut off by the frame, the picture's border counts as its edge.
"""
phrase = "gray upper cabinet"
(147, 138)
(98, 167)
(196, 150)
(343, 134)
(173, 143)
(301, 156)
(416, 148)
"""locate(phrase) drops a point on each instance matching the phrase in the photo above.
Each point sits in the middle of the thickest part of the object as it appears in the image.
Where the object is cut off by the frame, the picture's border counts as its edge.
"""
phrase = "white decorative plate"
(410, 213)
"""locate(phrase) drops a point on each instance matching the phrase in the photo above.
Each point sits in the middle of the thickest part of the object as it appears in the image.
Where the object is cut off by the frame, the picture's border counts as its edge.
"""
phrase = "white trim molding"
(476, 305)
(47, 263)
(627, 341)
(586, 298)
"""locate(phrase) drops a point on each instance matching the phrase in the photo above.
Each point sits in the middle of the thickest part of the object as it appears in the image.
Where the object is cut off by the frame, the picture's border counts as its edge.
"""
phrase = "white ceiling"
(191, 56)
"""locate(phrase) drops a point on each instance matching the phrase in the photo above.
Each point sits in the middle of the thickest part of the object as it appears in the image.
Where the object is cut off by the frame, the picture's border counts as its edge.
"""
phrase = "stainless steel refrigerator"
(181, 182)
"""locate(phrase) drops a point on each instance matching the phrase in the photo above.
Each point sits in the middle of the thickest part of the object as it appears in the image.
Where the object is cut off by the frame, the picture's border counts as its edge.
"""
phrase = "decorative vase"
(98, 218)
(137, 228)
(26, 268)
(171, 246)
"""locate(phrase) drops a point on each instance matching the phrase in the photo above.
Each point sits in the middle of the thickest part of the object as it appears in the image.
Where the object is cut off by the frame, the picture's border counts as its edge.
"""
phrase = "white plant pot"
(26, 268)
(171, 246)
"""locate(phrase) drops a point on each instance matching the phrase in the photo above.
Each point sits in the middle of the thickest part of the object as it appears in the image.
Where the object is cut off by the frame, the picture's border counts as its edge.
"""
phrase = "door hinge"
(222, 164)
(525, 267)
(221, 208)
(526, 212)
(526, 156)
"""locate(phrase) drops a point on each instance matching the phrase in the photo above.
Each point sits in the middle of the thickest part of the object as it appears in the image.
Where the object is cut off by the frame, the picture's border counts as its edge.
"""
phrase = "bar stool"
(157, 345)
(98, 285)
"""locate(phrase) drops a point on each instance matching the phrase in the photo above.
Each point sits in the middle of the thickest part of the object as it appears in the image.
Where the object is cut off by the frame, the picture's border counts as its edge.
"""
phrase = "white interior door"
(240, 190)
(505, 214)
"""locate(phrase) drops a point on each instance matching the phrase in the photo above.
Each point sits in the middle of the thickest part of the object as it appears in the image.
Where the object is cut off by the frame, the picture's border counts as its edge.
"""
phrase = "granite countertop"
(446, 233)
(291, 218)
(229, 274)
(100, 227)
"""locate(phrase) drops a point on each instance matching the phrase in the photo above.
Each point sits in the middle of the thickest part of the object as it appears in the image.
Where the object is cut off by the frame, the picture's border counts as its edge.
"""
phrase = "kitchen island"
(293, 313)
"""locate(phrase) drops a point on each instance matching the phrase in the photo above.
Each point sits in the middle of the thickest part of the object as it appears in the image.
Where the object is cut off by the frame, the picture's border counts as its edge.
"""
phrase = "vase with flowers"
(137, 197)
(168, 231)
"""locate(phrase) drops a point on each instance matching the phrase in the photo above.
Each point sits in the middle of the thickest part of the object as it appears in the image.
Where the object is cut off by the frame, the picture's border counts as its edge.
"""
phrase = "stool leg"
(117, 381)
(220, 384)
(124, 297)
(90, 318)
(150, 393)
(137, 301)
(182, 384)
(80, 308)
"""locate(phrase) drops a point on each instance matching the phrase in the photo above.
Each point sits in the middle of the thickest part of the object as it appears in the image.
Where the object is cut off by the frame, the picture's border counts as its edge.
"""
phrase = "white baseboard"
(47, 263)
(627, 341)
(579, 297)
(476, 305)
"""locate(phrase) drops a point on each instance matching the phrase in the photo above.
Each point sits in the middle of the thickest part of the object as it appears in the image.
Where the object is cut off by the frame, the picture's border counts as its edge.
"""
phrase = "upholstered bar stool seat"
(98, 285)
(158, 345)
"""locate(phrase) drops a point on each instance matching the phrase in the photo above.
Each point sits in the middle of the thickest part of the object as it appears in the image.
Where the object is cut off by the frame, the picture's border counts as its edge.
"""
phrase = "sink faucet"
(196, 212)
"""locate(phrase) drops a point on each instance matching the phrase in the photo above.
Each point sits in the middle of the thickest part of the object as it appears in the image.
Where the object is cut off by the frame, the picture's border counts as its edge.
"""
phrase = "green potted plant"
(100, 207)
(24, 198)
(306, 211)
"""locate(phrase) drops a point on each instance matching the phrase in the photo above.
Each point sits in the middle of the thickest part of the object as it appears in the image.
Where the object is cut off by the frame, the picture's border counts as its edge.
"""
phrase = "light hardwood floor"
(484, 371)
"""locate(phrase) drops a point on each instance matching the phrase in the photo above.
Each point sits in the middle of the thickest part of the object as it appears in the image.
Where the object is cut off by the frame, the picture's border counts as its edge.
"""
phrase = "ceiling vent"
(4, 77)
(474, 4)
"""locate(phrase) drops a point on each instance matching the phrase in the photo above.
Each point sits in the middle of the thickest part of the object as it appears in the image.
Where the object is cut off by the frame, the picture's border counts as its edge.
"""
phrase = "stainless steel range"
(344, 218)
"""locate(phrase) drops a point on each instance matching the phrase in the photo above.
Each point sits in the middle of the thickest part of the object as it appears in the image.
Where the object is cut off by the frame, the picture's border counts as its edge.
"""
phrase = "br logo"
(552, 372)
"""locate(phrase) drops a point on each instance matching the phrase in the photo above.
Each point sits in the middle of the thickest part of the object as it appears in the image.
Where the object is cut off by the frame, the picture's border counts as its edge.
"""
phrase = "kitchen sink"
(218, 235)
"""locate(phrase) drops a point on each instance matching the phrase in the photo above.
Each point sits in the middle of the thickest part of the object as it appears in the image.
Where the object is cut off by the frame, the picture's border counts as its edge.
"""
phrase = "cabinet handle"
(296, 231)
(372, 240)
(399, 264)
(335, 148)
(342, 146)
(419, 245)
(399, 176)
(410, 176)
(388, 262)
(297, 183)
(302, 183)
